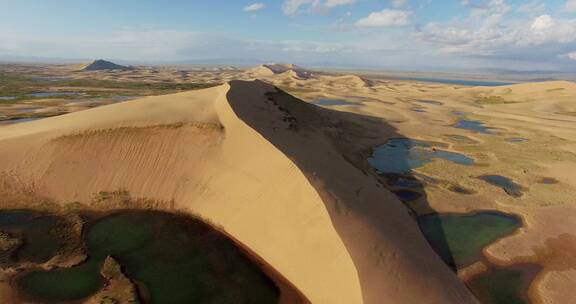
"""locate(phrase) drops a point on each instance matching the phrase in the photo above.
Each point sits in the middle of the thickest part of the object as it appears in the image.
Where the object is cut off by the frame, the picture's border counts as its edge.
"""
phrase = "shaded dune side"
(293, 197)
(394, 262)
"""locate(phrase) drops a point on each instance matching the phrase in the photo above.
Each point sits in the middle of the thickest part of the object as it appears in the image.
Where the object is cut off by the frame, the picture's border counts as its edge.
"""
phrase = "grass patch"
(20, 87)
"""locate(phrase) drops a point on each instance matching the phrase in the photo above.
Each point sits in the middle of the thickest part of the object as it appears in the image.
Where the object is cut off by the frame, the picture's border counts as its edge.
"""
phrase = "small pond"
(459, 238)
(473, 125)
(401, 155)
(510, 187)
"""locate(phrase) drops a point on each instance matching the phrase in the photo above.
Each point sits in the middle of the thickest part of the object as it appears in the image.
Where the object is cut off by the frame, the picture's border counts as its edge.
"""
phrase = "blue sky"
(393, 34)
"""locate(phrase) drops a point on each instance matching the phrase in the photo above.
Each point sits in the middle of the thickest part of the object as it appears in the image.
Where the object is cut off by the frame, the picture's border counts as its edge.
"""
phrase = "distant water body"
(473, 83)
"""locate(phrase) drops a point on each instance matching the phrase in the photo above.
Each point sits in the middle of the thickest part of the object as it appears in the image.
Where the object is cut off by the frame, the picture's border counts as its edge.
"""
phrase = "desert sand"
(290, 180)
(284, 189)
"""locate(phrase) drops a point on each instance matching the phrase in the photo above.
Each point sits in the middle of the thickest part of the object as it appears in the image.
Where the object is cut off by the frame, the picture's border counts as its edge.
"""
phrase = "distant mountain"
(102, 65)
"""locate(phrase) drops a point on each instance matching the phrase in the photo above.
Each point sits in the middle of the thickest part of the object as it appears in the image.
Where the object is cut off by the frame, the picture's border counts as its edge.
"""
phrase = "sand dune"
(275, 173)
(269, 70)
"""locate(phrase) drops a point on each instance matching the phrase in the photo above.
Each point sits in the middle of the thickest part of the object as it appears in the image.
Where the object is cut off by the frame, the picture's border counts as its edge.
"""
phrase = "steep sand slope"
(286, 179)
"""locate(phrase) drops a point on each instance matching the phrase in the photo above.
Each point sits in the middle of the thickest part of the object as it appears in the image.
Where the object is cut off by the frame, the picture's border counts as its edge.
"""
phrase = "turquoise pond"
(459, 238)
(402, 155)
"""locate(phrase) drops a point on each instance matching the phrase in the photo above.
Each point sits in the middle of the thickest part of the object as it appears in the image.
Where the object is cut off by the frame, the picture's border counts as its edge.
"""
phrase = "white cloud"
(534, 7)
(292, 7)
(253, 7)
(385, 18)
(542, 23)
(571, 55)
(334, 3)
(571, 5)
(496, 32)
(399, 3)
